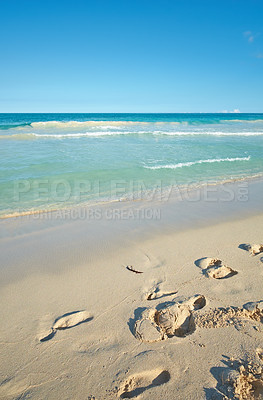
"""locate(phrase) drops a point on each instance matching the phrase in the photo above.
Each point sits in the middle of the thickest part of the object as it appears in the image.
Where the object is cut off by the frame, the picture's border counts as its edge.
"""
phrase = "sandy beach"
(178, 323)
(131, 193)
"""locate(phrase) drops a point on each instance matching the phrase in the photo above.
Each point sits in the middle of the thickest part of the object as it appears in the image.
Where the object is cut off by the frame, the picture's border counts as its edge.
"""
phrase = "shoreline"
(94, 231)
(132, 198)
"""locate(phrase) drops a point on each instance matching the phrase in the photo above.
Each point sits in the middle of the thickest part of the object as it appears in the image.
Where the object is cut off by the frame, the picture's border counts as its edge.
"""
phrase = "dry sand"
(77, 324)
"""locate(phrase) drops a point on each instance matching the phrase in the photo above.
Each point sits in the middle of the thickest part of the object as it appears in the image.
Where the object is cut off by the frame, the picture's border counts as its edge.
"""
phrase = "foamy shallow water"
(57, 160)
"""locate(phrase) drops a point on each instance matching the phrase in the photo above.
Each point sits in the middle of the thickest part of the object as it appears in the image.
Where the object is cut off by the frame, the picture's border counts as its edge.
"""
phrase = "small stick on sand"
(130, 268)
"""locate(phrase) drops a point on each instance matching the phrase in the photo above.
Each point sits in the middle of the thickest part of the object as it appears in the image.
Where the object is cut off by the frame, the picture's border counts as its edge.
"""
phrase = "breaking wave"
(69, 135)
(190, 163)
(82, 124)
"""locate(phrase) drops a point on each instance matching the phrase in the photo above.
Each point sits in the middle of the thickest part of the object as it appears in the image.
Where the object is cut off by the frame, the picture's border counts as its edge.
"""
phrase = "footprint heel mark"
(66, 321)
(196, 302)
(139, 383)
(215, 268)
(175, 319)
(146, 329)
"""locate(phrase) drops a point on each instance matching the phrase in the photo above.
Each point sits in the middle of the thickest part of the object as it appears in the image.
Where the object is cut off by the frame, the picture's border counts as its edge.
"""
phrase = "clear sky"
(131, 55)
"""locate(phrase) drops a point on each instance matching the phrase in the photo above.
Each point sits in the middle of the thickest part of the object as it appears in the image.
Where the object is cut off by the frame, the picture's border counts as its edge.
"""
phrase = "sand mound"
(245, 382)
(230, 316)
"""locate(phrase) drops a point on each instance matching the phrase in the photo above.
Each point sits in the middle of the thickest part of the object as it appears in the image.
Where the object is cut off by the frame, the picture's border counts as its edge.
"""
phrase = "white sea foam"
(77, 135)
(210, 133)
(190, 163)
(248, 121)
(173, 128)
(140, 132)
(78, 124)
(113, 132)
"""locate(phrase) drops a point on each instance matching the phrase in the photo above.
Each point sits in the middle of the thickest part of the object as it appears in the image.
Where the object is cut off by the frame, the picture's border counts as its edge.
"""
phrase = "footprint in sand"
(66, 321)
(253, 249)
(215, 268)
(176, 319)
(155, 292)
(139, 383)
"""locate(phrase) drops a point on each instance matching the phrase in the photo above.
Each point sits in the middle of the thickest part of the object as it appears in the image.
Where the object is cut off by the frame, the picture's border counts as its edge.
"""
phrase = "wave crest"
(80, 124)
(190, 163)
(60, 134)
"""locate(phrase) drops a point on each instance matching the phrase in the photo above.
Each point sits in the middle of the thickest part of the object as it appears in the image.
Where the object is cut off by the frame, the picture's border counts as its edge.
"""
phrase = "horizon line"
(113, 112)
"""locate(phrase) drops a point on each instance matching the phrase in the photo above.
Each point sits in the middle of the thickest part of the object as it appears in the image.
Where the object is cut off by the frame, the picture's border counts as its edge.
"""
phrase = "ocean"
(54, 161)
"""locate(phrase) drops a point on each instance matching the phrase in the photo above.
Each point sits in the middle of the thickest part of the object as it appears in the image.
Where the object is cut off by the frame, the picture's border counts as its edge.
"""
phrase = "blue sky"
(131, 55)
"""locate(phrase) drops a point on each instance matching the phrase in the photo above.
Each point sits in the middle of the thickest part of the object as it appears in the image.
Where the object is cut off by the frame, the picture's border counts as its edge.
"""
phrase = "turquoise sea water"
(53, 161)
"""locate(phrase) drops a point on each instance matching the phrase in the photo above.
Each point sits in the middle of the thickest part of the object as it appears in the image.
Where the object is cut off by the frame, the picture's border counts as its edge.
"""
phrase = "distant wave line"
(33, 135)
(72, 124)
(111, 123)
(211, 133)
(251, 121)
